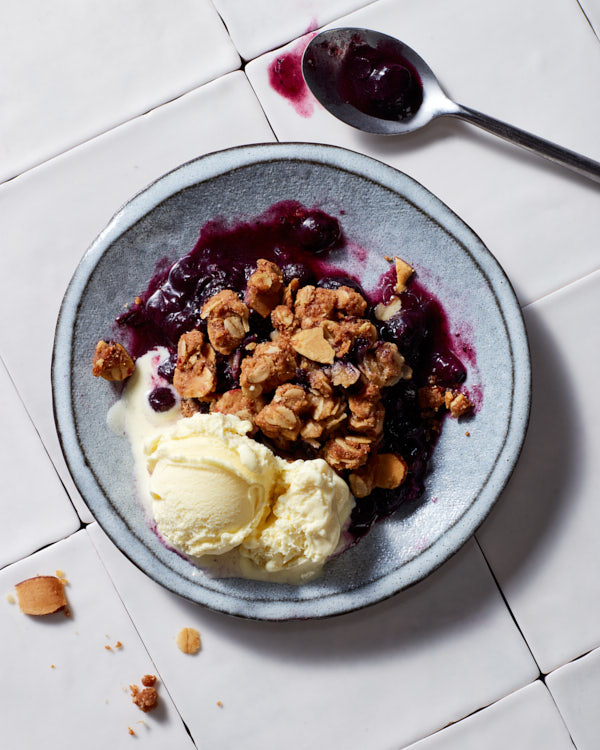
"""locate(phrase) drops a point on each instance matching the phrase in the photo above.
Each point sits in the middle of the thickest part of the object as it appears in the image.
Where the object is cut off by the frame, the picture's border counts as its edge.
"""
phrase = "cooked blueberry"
(162, 399)
(166, 369)
(317, 231)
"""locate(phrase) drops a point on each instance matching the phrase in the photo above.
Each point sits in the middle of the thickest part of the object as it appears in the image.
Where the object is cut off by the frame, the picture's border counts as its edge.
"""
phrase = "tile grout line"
(280, 45)
(504, 599)
(565, 286)
(101, 133)
(142, 641)
(37, 432)
(587, 18)
(262, 109)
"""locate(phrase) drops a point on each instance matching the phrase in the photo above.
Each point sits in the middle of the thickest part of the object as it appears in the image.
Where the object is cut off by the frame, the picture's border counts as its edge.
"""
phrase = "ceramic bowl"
(384, 212)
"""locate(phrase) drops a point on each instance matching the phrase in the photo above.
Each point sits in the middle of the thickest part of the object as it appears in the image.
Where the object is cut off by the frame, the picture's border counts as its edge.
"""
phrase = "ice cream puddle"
(218, 495)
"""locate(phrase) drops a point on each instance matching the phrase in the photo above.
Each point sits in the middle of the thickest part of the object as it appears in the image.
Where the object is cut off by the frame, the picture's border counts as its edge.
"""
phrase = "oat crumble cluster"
(260, 324)
(298, 389)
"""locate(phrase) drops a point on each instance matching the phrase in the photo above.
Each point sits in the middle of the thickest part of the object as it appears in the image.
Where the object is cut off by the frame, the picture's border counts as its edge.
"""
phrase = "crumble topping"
(227, 321)
(265, 288)
(111, 361)
(196, 371)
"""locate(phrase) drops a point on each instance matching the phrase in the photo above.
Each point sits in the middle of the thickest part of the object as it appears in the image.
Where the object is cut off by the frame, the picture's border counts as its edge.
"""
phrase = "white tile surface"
(261, 25)
(529, 212)
(523, 720)
(71, 70)
(81, 702)
(34, 507)
(50, 215)
(576, 690)
(541, 539)
(591, 8)
(378, 678)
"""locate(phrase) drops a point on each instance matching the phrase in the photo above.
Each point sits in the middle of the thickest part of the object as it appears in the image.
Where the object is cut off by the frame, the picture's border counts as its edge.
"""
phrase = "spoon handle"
(576, 162)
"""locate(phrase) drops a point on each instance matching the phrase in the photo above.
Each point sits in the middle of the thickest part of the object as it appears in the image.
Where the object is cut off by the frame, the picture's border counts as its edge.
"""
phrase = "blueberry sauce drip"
(379, 81)
(298, 239)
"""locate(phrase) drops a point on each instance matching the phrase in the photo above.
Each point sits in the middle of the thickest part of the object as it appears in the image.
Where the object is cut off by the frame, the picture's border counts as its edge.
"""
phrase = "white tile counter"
(99, 100)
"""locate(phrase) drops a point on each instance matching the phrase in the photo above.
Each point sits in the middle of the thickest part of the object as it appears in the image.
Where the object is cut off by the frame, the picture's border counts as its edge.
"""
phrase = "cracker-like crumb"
(188, 640)
(149, 680)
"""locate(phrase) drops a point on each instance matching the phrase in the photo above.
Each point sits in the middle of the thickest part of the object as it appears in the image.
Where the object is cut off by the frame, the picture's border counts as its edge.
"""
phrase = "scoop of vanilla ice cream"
(304, 527)
(211, 484)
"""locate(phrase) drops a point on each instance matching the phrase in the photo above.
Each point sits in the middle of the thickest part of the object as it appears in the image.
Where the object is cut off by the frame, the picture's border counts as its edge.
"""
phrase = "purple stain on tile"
(285, 77)
(313, 25)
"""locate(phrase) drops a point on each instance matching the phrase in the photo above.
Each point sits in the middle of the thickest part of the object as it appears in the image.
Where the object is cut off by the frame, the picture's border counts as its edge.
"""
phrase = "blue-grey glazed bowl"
(386, 213)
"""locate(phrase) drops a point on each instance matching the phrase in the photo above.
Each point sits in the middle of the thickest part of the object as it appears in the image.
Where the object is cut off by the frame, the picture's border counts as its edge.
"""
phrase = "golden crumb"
(131, 731)
(10, 598)
(188, 640)
(149, 680)
(146, 699)
(467, 433)
(59, 573)
(118, 644)
(220, 704)
(52, 666)
(108, 648)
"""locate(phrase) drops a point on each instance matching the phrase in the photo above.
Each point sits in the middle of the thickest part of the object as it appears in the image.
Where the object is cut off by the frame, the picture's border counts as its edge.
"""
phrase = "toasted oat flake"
(387, 311)
(312, 344)
(188, 640)
(403, 274)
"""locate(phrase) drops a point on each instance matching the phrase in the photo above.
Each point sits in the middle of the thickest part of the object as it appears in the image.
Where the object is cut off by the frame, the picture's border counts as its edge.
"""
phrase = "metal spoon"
(323, 61)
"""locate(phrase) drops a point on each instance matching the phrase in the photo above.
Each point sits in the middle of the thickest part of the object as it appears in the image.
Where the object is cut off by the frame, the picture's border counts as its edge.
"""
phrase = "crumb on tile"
(118, 644)
(188, 640)
(149, 680)
(220, 704)
(10, 598)
(467, 433)
(146, 699)
(108, 648)
(52, 666)
(131, 731)
(41, 595)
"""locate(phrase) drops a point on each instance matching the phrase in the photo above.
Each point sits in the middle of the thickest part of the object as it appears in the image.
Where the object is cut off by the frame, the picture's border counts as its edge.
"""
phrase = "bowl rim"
(205, 168)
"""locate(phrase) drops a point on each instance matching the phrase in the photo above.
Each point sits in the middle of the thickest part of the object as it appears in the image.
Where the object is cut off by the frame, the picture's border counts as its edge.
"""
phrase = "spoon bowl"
(323, 66)
(376, 83)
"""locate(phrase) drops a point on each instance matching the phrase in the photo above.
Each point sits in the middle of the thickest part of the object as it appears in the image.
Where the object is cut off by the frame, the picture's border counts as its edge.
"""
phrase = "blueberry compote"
(379, 81)
(299, 240)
